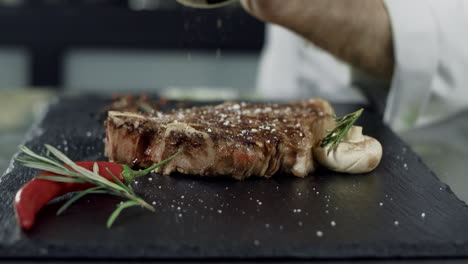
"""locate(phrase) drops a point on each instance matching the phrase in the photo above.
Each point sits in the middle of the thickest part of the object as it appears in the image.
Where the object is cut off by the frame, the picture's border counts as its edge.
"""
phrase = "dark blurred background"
(108, 46)
(119, 45)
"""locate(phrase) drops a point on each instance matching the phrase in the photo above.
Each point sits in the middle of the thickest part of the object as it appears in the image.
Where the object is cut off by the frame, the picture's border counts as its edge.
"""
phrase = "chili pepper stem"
(129, 175)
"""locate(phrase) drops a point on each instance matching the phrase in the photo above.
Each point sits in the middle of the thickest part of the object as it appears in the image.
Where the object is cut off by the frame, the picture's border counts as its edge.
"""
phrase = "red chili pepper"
(38, 192)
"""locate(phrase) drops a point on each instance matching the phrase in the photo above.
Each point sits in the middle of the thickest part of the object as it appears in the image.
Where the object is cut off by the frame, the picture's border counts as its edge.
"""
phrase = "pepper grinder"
(205, 3)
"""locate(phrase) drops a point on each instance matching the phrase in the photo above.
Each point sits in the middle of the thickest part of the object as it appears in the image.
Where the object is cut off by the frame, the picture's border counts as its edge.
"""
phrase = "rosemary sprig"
(72, 173)
(343, 124)
(76, 198)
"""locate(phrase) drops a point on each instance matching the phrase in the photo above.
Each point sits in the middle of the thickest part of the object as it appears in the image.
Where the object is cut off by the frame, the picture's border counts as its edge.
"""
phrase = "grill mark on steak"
(232, 139)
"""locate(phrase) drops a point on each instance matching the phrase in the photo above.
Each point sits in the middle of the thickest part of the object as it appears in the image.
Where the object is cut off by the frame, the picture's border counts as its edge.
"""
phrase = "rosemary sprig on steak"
(343, 124)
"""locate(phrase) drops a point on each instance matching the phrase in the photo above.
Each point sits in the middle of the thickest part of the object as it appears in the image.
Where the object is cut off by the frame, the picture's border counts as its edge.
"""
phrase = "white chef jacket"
(431, 72)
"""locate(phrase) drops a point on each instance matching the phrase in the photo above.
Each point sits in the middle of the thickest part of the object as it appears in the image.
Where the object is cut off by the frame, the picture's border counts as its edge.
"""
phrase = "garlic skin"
(355, 154)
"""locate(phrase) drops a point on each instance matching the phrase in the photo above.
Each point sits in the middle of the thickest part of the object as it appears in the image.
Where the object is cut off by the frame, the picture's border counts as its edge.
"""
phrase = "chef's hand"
(357, 31)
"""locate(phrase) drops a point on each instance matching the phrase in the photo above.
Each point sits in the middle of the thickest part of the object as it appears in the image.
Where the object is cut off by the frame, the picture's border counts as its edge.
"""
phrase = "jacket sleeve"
(431, 61)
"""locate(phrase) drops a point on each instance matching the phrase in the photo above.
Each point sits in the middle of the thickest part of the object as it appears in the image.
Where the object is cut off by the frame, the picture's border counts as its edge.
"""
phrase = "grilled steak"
(237, 140)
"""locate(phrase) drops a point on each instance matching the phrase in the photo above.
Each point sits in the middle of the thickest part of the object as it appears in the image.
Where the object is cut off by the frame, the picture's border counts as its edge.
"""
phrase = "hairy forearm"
(355, 31)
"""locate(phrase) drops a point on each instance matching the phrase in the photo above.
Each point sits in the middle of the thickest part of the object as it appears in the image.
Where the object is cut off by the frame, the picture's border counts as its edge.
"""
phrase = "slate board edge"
(341, 252)
(31, 132)
(430, 171)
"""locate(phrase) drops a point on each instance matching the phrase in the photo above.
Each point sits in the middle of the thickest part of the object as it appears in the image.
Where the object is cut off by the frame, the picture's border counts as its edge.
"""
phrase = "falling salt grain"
(150, 179)
(396, 223)
(88, 134)
(256, 243)
(220, 211)
(219, 23)
(380, 204)
(423, 215)
(319, 233)
(267, 225)
(333, 223)
(154, 202)
(209, 130)
(300, 223)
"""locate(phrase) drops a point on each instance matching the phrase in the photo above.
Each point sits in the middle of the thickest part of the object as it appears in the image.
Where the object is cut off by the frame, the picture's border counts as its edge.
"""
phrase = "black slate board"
(277, 218)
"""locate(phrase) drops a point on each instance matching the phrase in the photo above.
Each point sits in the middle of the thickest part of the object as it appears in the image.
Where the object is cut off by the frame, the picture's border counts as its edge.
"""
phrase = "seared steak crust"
(237, 140)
